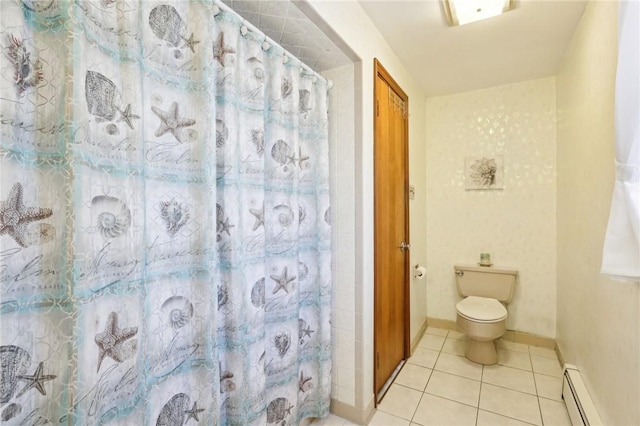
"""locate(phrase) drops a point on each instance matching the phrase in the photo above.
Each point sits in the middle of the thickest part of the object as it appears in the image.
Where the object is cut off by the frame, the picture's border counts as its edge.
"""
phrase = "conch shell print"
(175, 215)
(27, 71)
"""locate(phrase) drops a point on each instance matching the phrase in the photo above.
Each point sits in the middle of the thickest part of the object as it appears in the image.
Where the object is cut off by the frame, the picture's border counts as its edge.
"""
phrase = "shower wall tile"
(341, 152)
(346, 395)
(286, 24)
(517, 224)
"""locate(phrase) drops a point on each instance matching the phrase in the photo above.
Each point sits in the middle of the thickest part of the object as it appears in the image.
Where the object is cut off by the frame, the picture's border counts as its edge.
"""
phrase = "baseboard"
(510, 335)
(353, 414)
(559, 355)
(442, 323)
(416, 340)
(529, 339)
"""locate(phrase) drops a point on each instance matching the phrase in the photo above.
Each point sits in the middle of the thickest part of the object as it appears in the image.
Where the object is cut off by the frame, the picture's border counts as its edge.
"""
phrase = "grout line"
(480, 394)
(536, 385)
(548, 375)
(436, 362)
(449, 399)
(482, 383)
(511, 389)
(508, 417)
(457, 375)
(416, 409)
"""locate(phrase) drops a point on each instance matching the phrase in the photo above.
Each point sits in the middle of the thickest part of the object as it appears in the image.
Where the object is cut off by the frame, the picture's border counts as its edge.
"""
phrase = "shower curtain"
(164, 220)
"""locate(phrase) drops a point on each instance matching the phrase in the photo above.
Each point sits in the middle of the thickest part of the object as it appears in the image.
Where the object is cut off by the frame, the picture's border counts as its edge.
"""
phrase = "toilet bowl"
(482, 314)
(483, 320)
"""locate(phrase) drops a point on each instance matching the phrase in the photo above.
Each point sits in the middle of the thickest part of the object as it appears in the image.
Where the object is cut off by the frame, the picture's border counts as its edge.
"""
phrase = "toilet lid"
(481, 309)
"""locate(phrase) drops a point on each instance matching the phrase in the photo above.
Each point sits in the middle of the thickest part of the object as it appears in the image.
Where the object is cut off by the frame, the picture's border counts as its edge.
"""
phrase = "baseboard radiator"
(577, 399)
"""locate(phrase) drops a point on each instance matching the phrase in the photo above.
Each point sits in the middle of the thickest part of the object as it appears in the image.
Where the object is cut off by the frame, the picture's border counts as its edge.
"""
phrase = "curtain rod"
(221, 6)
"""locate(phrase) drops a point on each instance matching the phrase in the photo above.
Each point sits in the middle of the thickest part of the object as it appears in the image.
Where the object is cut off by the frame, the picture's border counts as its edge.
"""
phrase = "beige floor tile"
(437, 331)
(554, 413)
(424, 357)
(452, 387)
(454, 346)
(413, 376)
(485, 418)
(459, 366)
(549, 387)
(400, 401)
(431, 341)
(545, 352)
(437, 411)
(513, 346)
(514, 359)
(457, 335)
(380, 418)
(510, 403)
(548, 366)
(512, 378)
(330, 420)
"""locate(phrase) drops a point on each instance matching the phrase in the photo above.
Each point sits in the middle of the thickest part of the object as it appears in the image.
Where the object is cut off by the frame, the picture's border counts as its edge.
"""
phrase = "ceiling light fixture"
(460, 12)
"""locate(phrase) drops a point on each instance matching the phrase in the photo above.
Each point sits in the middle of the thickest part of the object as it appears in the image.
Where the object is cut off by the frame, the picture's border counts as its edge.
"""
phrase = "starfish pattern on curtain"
(165, 245)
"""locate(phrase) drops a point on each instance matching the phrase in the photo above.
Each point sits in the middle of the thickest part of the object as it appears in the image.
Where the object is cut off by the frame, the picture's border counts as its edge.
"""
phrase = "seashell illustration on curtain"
(161, 282)
(175, 215)
(113, 217)
(284, 215)
(178, 311)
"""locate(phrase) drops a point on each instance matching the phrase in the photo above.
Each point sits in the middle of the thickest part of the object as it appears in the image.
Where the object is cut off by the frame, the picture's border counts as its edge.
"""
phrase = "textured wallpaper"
(598, 318)
(516, 224)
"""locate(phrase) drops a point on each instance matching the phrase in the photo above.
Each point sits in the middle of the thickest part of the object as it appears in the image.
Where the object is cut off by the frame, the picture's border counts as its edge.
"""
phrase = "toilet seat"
(481, 309)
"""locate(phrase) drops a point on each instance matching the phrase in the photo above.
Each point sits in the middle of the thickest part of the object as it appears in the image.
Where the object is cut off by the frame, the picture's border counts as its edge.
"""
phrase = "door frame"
(380, 71)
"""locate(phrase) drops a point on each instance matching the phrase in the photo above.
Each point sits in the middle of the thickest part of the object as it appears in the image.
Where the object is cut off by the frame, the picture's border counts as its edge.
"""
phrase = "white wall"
(352, 25)
(598, 318)
(517, 224)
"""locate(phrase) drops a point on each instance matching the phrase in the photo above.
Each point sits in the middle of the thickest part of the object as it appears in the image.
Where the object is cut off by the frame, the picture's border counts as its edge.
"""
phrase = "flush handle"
(404, 246)
(459, 273)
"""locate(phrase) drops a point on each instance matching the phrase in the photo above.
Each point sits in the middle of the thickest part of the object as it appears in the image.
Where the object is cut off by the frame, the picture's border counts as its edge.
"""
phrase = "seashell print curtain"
(164, 219)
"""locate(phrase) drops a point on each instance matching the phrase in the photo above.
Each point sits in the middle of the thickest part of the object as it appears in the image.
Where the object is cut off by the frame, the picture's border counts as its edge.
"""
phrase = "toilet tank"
(486, 281)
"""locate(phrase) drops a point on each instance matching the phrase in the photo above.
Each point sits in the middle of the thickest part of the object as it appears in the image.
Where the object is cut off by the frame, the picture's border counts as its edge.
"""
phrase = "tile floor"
(439, 386)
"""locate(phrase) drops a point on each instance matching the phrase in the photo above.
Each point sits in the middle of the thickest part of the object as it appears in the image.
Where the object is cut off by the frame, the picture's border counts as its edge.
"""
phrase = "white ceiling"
(526, 43)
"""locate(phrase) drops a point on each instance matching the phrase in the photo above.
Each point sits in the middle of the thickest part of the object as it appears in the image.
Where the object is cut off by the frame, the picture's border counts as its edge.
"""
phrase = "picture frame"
(484, 172)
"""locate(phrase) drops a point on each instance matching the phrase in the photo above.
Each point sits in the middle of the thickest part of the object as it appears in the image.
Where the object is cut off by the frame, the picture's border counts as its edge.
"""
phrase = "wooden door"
(391, 296)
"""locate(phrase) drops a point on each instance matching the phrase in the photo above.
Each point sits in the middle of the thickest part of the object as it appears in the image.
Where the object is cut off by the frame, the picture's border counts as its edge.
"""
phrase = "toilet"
(482, 314)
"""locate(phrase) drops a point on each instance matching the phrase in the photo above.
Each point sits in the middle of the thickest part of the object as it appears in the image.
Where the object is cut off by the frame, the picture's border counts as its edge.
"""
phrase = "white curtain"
(621, 254)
